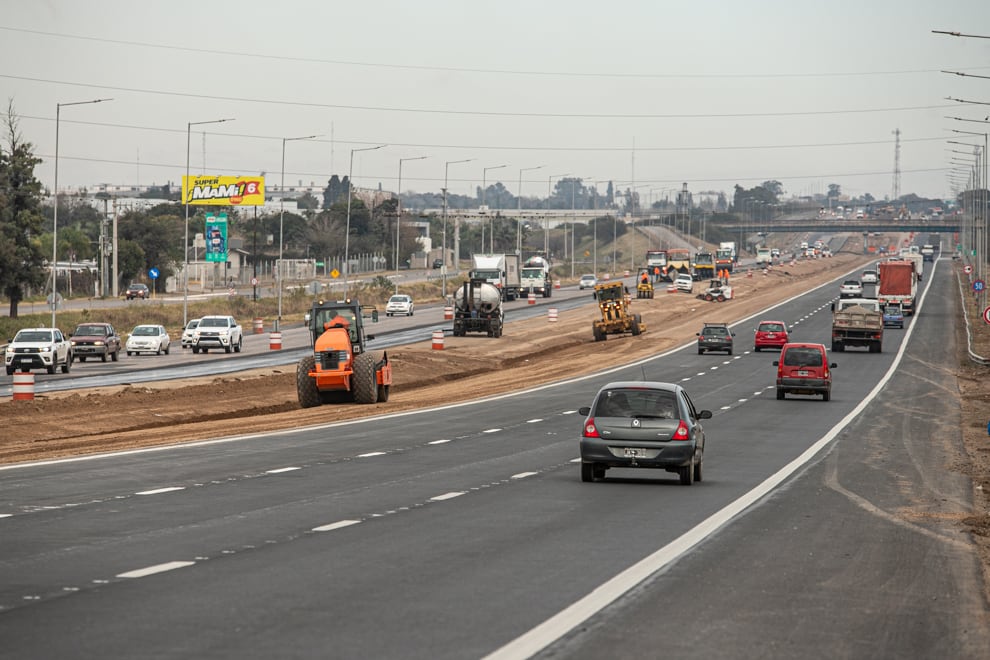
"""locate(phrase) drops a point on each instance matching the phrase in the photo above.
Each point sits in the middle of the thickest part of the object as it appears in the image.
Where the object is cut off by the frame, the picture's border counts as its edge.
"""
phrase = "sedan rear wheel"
(697, 468)
(587, 472)
(686, 473)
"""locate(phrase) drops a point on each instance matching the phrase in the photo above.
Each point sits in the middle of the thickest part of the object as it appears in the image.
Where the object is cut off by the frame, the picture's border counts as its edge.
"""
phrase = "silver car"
(399, 304)
(188, 332)
(643, 424)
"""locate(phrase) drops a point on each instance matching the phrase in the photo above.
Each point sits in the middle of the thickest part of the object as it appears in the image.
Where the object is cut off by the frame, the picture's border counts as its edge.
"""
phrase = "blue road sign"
(153, 273)
(979, 285)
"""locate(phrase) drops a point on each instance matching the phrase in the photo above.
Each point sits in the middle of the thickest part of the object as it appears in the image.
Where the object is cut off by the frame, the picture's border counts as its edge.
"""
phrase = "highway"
(820, 529)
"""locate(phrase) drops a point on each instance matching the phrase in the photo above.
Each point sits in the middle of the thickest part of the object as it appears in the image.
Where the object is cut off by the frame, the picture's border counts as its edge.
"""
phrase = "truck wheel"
(240, 342)
(228, 348)
(51, 369)
(195, 349)
(309, 396)
(363, 385)
(636, 321)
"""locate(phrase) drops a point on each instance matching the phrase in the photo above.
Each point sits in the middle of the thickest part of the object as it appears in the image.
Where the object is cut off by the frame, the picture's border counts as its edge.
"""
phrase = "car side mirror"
(776, 363)
(833, 307)
(697, 334)
(705, 414)
(584, 410)
(833, 365)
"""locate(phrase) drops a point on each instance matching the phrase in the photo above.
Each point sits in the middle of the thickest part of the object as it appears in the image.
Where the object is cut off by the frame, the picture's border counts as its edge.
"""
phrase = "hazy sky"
(708, 93)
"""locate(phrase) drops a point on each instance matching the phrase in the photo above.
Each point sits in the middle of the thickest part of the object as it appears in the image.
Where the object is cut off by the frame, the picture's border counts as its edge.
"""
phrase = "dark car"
(643, 424)
(438, 263)
(804, 369)
(95, 340)
(770, 334)
(715, 337)
(137, 291)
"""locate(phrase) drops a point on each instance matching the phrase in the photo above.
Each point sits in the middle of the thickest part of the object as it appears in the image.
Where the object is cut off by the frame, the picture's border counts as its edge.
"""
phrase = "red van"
(804, 369)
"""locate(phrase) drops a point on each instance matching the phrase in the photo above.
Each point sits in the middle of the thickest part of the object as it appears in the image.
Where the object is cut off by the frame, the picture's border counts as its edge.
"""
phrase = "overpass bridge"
(836, 225)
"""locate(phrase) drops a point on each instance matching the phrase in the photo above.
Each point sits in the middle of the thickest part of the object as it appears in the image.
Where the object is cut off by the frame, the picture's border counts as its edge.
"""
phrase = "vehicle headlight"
(95, 343)
(46, 349)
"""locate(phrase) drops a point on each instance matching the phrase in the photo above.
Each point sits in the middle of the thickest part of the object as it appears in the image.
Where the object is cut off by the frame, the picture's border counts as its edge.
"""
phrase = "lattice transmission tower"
(897, 164)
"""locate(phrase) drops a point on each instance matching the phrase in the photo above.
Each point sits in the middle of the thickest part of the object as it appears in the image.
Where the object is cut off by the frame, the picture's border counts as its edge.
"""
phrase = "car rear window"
(637, 403)
(771, 327)
(803, 357)
(721, 332)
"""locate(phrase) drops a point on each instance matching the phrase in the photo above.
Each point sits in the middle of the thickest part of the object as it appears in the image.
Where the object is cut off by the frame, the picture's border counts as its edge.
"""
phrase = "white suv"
(217, 332)
(38, 348)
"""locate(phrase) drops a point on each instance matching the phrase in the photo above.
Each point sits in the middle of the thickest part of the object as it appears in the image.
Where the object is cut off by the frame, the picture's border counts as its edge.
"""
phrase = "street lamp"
(347, 231)
(484, 185)
(58, 112)
(281, 223)
(519, 209)
(185, 201)
(546, 221)
(398, 216)
(446, 169)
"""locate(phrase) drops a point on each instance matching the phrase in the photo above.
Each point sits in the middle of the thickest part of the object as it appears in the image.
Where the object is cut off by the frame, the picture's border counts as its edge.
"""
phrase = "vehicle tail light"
(682, 432)
(590, 430)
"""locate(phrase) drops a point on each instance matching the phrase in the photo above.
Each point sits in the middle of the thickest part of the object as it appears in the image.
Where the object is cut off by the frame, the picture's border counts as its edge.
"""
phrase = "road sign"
(254, 281)
(967, 269)
(979, 285)
(334, 273)
(153, 273)
(986, 315)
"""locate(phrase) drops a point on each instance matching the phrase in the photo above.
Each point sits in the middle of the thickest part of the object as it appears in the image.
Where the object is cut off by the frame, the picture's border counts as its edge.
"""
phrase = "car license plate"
(802, 372)
(633, 452)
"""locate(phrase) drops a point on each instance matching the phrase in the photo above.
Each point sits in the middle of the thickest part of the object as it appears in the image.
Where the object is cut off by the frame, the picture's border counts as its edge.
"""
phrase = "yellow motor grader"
(613, 303)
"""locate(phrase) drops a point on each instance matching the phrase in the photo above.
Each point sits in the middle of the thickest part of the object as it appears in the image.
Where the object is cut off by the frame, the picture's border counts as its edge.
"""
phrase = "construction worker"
(644, 278)
(656, 273)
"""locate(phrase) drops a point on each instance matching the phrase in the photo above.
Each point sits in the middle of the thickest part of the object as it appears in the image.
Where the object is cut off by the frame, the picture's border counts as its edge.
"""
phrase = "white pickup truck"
(217, 332)
(38, 348)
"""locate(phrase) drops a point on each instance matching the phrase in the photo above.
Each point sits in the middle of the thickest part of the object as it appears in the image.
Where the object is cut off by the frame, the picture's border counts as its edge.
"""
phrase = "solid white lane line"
(523, 475)
(446, 496)
(281, 470)
(491, 430)
(438, 442)
(534, 421)
(337, 525)
(6, 515)
(160, 490)
(370, 454)
(158, 568)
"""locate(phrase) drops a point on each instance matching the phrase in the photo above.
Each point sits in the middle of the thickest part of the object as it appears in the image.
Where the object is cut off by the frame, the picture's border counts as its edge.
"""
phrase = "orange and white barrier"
(531, 298)
(259, 326)
(23, 386)
(448, 313)
(275, 341)
(552, 315)
(438, 340)
(671, 288)
(556, 284)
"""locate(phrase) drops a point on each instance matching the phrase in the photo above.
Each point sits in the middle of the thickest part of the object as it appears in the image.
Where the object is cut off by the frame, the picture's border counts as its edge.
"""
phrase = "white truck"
(763, 256)
(919, 262)
(500, 270)
(536, 277)
(217, 332)
(38, 348)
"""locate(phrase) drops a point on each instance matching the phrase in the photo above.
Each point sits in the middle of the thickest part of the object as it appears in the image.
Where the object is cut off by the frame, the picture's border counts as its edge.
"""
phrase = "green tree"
(21, 258)
(159, 232)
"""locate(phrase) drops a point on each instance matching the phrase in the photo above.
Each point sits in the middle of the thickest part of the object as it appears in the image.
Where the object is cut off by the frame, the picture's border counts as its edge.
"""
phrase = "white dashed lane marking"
(337, 525)
(158, 568)
(158, 491)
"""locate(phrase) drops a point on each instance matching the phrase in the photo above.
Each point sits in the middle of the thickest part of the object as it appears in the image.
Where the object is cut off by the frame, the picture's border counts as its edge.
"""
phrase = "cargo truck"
(500, 270)
(536, 277)
(857, 322)
(898, 285)
(725, 256)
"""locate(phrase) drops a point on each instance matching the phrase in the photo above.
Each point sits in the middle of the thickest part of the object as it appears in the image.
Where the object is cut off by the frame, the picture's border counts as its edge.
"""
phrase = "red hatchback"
(770, 334)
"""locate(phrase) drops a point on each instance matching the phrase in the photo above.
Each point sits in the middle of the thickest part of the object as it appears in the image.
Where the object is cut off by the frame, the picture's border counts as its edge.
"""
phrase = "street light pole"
(519, 209)
(58, 113)
(185, 201)
(281, 225)
(398, 216)
(484, 185)
(446, 170)
(546, 221)
(347, 231)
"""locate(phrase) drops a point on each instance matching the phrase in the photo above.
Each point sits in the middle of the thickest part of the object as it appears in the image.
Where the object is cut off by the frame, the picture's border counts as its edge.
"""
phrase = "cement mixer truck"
(478, 308)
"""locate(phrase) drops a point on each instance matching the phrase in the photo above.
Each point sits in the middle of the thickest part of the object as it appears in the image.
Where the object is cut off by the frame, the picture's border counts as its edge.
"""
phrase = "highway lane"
(257, 353)
(444, 533)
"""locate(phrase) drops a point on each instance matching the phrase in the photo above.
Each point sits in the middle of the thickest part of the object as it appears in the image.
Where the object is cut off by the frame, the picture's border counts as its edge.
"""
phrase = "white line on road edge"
(281, 470)
(491, 430)
(446, 496)
(337, 525)
(538, 638)
(158, 568)
(438, 442)
(372, 453)
(160, 490)
(6, 515)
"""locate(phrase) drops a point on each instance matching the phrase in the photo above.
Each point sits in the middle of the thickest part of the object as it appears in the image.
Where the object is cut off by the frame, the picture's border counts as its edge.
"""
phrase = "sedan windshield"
(145, 331)
(33, 335)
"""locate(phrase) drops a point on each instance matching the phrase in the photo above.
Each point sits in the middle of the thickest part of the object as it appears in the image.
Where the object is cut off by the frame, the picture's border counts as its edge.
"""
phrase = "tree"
(21, 258)
(308, 202)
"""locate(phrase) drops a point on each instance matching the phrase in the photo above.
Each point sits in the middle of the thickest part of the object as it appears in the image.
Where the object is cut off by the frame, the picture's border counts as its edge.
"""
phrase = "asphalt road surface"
(820, 529)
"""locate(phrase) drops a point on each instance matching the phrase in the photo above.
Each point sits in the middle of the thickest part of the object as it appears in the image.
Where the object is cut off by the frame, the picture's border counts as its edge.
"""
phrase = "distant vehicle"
(893, 316)
(928, 252)
(587, 282)
(148, 339)
(684, 282)
(804, 369)
(95, 340)
(137, 290)
(869, 277)
(851, 289)
(775, 253)
(399, 304)
(715, 337)
(763, 256)
(770, 334)
(437, 263)
(187, 333)
(643, 424)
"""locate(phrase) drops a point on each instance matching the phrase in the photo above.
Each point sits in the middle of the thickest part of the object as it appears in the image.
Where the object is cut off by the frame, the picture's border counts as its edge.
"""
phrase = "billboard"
(224, 190)
(216, 238)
